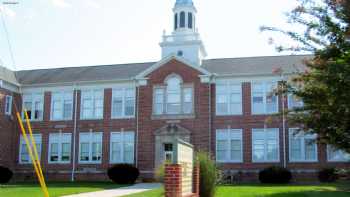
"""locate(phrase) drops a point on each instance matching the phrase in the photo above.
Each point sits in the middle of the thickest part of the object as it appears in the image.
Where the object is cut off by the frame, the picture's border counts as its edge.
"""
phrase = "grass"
(263, 190)
(55, 189)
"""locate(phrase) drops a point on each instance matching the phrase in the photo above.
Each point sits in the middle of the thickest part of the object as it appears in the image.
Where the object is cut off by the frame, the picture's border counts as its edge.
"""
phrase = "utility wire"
(7, 36)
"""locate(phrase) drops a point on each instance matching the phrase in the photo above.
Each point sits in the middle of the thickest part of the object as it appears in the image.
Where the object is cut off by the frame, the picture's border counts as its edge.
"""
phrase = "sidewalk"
(137, 188)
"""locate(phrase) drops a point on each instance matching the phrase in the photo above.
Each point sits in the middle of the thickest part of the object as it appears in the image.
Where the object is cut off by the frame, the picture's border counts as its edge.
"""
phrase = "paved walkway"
(140, 187)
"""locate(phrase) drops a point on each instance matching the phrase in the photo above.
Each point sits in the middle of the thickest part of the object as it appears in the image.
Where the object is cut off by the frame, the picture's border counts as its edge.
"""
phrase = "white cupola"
(185, 40)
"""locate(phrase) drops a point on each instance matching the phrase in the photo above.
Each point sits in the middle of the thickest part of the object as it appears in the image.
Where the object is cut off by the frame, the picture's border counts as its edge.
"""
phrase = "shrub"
(5, 175)
(160, 172)
(275, 174)
(123, 173)
(208, 175)
(327, 175)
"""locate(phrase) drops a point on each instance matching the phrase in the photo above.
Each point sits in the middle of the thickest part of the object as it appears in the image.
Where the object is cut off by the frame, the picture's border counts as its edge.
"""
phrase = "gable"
(172, 60)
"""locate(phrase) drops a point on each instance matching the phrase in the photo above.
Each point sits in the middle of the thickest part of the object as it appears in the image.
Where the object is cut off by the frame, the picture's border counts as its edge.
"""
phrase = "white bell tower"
(185, 40)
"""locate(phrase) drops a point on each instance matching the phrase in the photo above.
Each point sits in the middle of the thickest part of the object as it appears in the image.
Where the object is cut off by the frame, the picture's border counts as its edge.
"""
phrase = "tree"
(324, 86)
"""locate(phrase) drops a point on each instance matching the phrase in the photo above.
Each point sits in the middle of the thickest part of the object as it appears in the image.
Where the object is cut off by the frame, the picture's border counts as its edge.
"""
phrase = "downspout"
(137, 123)
(75, 130)
(284, 125)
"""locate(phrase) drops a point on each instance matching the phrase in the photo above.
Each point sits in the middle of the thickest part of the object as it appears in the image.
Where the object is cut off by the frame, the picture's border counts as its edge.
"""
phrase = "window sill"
(61, 120)
(305, 161)
(229, 162)
(338, 161)
(123, 117)
(173, 116)
(59, 163)
(227, 115)
(263, 162)
(90, 119)
(90, 162)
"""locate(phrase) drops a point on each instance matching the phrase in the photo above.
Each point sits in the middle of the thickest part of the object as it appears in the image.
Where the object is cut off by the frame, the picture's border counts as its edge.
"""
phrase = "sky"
(67, 33)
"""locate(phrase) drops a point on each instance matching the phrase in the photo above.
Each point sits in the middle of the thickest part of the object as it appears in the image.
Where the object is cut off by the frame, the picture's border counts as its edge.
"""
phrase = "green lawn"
(55, 189)
(259, 190)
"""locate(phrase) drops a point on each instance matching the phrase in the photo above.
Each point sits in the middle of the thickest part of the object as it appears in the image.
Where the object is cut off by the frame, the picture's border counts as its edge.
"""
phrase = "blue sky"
(59, 33)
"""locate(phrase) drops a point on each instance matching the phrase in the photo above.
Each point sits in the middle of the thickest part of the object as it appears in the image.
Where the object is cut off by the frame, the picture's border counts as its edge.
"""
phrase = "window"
(123, 103)
(302, 147)
(174, 98)
(228, 98)
(180, 53)
(264, 100)
(168, 153)
(182, 19)
(175, 22)
(229, 145)
(24, 157)
(34, 105)
(294, 102)
(122, 147)
(190, 20)
(8, 105)
(335, 155)
(90, 147)
(92, 104)
(62, 105)
(60, 147)
(265, 145)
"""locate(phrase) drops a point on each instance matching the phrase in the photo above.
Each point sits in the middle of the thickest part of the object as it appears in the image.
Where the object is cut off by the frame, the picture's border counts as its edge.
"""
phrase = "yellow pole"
(31, 155)
(37, 160)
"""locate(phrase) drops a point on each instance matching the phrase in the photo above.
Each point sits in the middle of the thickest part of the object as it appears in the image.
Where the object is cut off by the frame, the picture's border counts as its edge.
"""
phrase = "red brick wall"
(147, 126)
(7, 131)
(199, 127)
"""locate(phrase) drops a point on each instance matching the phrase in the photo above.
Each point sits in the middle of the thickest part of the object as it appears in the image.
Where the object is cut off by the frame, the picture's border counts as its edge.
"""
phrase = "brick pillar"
(196, 181)
(172, 180)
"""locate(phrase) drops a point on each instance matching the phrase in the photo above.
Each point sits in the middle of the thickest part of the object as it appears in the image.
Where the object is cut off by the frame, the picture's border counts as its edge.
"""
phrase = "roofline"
(77, 82)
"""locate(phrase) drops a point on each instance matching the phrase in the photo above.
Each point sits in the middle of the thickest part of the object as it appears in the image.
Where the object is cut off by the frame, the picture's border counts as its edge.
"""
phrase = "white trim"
(302, 136)
(60, 141)
(123, 116)
(93, 98)
(8, 105)
(62, 99)
(229, 92)
(344, 160)
(229, 132)
(122, 134)
(265, 145)
(265, 94)
(166, 60)
(91, 141)
(37, 138)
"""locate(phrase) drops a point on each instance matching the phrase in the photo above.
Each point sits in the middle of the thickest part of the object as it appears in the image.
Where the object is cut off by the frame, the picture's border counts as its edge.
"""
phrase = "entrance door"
(168, 152)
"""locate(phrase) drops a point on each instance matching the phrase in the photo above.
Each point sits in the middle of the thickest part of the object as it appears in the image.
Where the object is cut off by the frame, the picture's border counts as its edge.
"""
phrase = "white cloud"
(93, 4)
(7, 11)
(61, 3)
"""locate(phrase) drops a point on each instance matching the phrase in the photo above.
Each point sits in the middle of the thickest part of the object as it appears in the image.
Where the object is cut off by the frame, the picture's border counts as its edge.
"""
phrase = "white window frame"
(124, 99)
(165, 97)
(121, 140)
(291, 101)
(91, 94)
(345, 156)
(37, 139)
(302, 136)
(63, 97)
(90, 142)
(60, 141)
(8, 105)
(228, 93)
(33, 98)
(229, 134)
(266, 144)
(266, 93)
